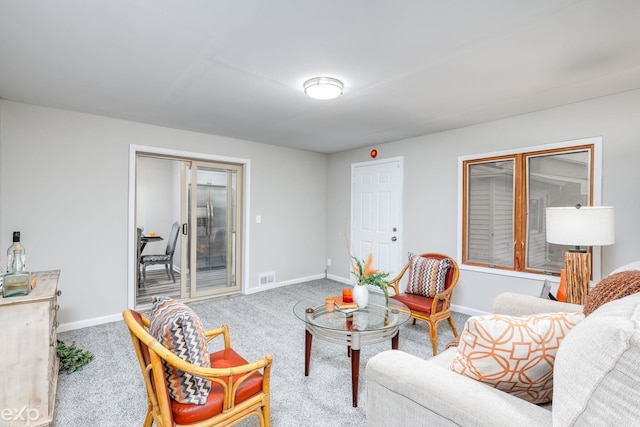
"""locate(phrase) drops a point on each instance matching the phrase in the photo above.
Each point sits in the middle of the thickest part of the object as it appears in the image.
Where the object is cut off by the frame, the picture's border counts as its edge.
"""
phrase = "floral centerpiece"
(367, 275)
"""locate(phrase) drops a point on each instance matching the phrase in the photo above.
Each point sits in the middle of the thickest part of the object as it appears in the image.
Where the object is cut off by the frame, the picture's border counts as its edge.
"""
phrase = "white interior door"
(376, 213)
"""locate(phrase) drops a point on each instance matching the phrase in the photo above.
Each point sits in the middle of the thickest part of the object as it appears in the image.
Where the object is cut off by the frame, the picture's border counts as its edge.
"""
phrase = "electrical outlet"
(328, 262)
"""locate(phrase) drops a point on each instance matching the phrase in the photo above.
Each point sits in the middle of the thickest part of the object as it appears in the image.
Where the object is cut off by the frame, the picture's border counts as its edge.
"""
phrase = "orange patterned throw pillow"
(514, 354)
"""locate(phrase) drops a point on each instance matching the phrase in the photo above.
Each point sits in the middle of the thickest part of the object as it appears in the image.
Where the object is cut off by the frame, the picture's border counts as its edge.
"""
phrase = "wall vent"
(267, 278)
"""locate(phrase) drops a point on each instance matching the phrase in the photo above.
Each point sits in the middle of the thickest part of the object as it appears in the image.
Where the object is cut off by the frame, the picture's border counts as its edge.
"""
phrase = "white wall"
(64, 185)
(431, 185)
(158, 202)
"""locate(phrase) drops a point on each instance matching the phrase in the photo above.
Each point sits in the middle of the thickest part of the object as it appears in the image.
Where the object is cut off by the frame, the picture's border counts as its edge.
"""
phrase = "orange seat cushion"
(417, 302)
(189, 414)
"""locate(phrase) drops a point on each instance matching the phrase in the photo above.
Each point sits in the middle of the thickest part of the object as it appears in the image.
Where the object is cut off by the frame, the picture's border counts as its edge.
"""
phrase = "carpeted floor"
(109, 391)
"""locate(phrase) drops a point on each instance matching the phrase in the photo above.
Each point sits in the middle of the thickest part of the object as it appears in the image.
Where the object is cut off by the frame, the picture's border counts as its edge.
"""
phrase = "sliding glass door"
(214, 212)
(189, 220)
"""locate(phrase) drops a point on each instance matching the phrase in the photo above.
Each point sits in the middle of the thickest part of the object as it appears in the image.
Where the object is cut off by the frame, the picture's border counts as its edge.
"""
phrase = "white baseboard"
(339, 279)
(260, 288)
(468, 311)
(89, 322)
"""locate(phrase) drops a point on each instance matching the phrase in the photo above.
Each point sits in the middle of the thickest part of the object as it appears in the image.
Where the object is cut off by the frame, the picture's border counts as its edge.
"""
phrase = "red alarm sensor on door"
(374, 153)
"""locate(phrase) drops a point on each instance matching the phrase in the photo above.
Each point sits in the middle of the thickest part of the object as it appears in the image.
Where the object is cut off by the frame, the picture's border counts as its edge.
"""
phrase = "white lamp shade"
(586, 226)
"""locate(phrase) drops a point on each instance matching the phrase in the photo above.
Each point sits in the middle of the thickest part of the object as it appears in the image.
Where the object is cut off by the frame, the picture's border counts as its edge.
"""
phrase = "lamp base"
(578, 273)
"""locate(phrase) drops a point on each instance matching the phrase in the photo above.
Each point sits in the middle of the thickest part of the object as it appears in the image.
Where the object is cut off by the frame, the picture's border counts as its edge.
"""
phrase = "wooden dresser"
(28, 357)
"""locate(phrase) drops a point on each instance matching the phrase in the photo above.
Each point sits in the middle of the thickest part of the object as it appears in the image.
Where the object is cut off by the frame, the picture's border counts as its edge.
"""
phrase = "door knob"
(393, 239)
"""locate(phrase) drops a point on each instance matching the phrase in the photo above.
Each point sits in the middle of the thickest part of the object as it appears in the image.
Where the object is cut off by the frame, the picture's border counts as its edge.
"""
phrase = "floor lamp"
(580, 227)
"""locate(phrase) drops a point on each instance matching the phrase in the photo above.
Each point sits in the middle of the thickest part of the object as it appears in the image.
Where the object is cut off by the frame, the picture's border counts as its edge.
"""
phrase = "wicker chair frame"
(440, 304)
(151, 354)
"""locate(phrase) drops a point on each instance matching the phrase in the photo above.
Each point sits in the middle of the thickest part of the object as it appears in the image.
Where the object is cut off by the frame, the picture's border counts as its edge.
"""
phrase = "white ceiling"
(236, 67)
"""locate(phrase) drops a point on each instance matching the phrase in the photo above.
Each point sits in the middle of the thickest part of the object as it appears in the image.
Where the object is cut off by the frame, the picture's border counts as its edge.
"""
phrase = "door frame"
(134, 150)
(400, 233)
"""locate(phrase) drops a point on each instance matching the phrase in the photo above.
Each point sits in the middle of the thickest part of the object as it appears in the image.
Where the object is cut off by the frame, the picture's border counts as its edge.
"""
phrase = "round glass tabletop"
(376, 316)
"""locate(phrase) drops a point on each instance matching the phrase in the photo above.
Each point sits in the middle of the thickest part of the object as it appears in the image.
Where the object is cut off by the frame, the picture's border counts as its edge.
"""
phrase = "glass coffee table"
(370, 325)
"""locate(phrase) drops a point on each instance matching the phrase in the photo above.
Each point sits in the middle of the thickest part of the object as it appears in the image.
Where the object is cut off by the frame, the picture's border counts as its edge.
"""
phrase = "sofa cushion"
(514, 354)
(631, 266)
(611, 288)
(405, 390)
(597, 380)
(514, 304)
(427, 276)
(178, 328)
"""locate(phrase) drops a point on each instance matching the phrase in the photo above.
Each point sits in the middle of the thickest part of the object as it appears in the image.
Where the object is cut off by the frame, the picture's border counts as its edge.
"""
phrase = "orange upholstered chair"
(424, 271)
(239, 389)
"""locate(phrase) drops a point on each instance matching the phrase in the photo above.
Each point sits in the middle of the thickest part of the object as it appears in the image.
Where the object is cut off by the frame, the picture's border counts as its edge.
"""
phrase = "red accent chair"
(430, 310)
(239, 389)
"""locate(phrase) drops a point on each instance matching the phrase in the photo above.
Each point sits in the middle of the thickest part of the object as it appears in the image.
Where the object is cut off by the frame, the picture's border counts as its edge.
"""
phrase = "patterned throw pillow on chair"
(514, 354)
(178, 328)
(427, 276)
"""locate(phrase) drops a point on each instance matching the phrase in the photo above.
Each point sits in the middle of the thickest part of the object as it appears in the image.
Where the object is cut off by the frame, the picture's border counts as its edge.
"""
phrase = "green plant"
(71, 357)
(367, 275)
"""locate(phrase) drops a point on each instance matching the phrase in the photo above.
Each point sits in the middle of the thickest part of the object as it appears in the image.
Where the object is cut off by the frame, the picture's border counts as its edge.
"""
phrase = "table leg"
(355, 375)
(349, 325)
(307, 352)
(395, 341)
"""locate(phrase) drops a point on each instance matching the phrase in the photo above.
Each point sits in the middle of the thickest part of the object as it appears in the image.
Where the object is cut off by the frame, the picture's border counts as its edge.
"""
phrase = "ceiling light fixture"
(323, 88)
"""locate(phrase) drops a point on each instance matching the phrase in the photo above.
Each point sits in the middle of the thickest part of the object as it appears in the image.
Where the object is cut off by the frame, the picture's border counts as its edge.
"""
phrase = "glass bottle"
(16, 281)
(16, 255)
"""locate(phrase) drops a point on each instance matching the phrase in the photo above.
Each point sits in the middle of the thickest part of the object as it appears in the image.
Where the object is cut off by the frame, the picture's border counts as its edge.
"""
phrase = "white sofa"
(596, 378)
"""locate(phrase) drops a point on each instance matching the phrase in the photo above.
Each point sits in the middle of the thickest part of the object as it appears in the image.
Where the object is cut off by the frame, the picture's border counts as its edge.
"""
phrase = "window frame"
(520, 202)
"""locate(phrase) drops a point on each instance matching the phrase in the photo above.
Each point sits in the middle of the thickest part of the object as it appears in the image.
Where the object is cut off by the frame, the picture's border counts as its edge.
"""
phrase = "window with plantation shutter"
(504, 202)
(490, 213)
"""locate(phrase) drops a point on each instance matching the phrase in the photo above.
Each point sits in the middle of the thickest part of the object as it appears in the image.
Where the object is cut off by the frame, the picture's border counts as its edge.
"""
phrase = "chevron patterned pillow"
(178, 328)
(427, 276)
